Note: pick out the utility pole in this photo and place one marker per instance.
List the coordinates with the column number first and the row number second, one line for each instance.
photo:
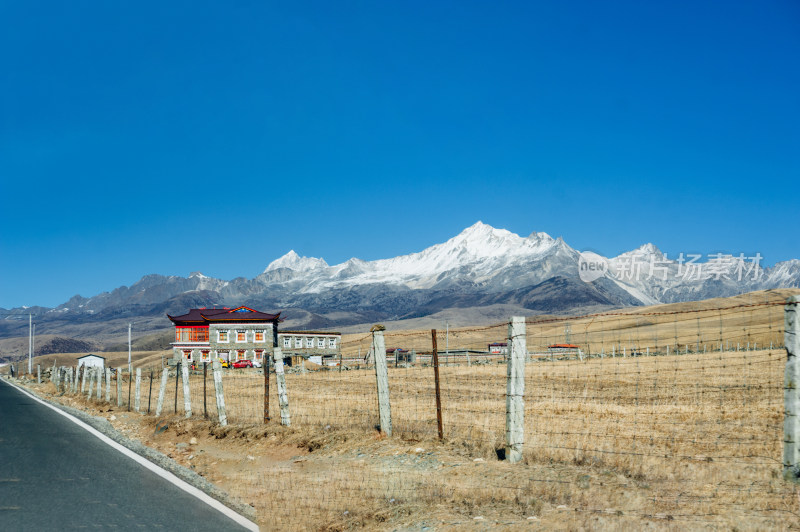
column 30, row 342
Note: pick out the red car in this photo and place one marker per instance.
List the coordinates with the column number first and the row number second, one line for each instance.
column 243, row 364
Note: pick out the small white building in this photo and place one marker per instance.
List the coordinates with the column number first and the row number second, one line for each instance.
column 92, row 361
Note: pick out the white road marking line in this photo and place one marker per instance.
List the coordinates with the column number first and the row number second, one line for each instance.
column 163, row 473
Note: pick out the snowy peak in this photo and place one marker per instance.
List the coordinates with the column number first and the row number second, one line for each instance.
column 643, row 252
column 482, row 240
column 293, row 261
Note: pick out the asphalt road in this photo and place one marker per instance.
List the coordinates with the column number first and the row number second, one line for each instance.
column 54, row 475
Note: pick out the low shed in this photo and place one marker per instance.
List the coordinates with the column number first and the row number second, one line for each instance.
column 92, row 361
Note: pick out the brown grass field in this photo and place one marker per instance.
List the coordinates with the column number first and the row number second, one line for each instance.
column 688, row 440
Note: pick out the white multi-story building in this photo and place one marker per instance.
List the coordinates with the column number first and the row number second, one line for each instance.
column 204, row 335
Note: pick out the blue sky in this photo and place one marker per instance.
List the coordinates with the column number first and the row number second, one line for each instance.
column 139, row 137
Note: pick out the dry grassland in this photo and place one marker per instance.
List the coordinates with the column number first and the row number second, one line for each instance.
column 692, row 440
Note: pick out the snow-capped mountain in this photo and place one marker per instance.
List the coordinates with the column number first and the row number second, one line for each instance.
column 479, row 254
column 480, row 266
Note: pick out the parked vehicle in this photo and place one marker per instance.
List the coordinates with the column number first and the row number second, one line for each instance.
column 224, row 363
column 243, row 364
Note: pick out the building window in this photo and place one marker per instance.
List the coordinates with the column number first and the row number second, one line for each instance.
column 191, row 334
column 332, row 342
column 241, row 336
column 309, row 342
column 187, row 355
column 224, row 355
column 223, row 337
column 287, row 342
column 298, row 342
column 320, row 342
column 205, row 355
column 241, row 354
column 259, row 354
column 259, row 336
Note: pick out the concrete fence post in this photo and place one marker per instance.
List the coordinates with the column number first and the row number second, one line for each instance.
column 515, row 389
column 108, row 385
column 280, row 378
column 219, row 392
column 162, row 390
column 53, row 372
column 382, row 379
column 82, row 369
column 91, row 384
column 99, row 384
column 119, row 386
column 137, row 399
column 38, row 373
column 187, row 397
column 791, row 391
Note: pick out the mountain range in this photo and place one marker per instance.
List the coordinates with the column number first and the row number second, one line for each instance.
column 483, row 273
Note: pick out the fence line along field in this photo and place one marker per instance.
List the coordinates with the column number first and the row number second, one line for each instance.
column 671, row 415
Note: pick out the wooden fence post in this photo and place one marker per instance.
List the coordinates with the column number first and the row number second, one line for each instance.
column 138, row 389
column 219, row 392
column 187, row 397
column 436, row 384
column 150, row 392
column 162, row 390
column 791, row 391
column 382, row 379
column 280, row 378
column 515, row 389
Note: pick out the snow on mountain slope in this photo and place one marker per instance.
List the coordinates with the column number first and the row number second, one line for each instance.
column 479, row 252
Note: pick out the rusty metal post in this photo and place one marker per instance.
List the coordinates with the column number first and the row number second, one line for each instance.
column 436, row 380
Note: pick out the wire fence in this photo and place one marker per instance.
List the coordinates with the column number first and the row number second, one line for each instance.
column 673, row 415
